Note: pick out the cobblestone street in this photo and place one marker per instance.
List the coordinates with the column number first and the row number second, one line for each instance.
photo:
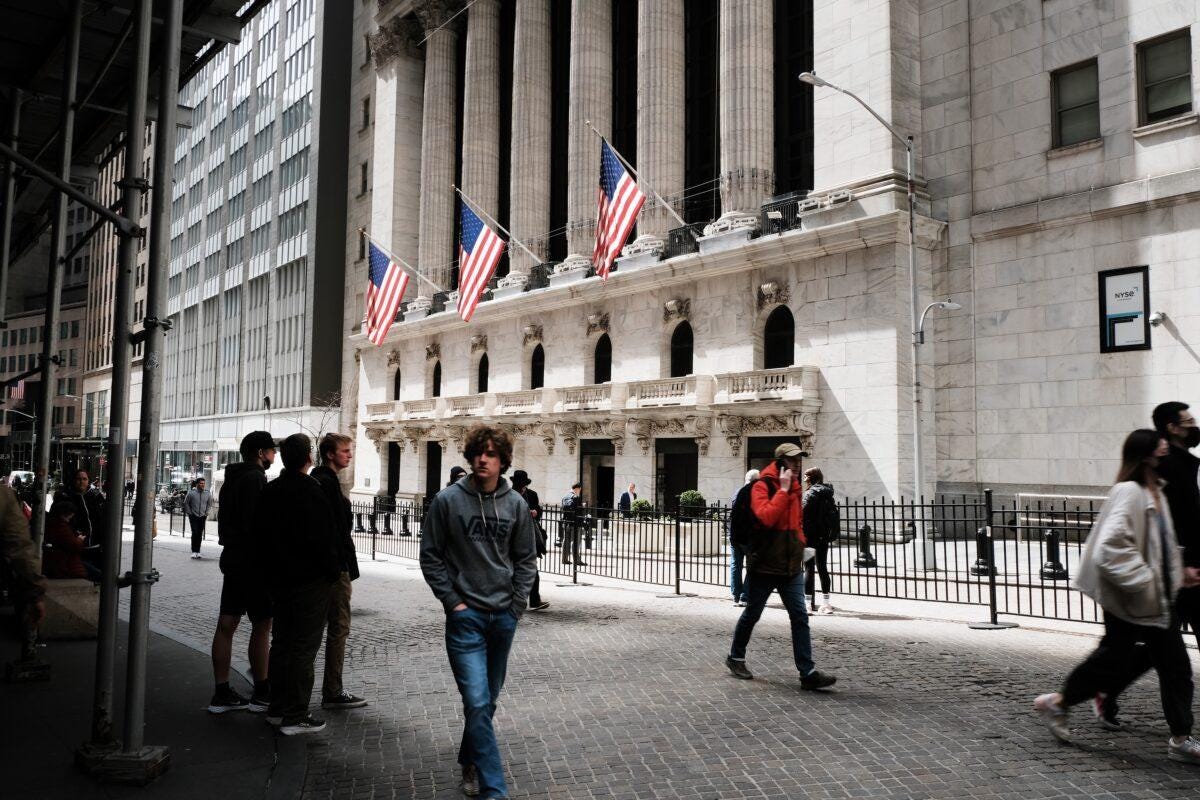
column 619, row 693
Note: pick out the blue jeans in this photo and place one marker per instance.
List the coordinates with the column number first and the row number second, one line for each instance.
column 477, row 643
column 791, row 591
column 737, row 558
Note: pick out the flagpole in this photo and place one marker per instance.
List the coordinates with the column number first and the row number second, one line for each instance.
column 475, row 207
column 407, row 267
column 638, row 178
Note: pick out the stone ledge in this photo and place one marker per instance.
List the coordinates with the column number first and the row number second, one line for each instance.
column 72, row 609
column 1065, row 151
column 1167, row 125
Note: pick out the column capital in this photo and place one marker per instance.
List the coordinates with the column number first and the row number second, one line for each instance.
column 397, row 36
column 435, row 13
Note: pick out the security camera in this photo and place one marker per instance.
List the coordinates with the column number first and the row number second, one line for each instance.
column 1157, row 318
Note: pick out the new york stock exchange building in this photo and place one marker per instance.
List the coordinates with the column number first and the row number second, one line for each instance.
column 766, row 292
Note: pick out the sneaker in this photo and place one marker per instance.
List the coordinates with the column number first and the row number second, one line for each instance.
column 817, row 680
column 825, row 609
column 542, row 606
column 195, row 556
column 226, row 699
column 344, row 700
column 738, row 668
column 1054, row 716
column 273, row 721
column 1106, row 713
column 259, row 703
column 309, row 724
column 739, row 603
column 1187, row 751
column 470, row 781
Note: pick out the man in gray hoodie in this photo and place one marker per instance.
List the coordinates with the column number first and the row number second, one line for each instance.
column 479, row 555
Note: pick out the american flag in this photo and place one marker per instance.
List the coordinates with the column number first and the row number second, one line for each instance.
column 385, row 290
column 17, row 392
column 477, row 257
column 620, row 202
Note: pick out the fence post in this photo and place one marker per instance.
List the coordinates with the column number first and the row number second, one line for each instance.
column 371, row 523
column 1052, row 569
column 983, row 557
column 387, row 523
column 678, row 547
column 404, row 531
column 865, row 558
column 372, row 542
column 992, row 623
column 358, row 524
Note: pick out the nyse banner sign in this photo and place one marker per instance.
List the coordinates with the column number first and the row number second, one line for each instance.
column 1125, row 309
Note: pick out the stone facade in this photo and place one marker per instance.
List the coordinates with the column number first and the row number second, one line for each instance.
column 1018, row 396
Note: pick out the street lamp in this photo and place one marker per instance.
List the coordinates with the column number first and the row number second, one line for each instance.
column 812, row 79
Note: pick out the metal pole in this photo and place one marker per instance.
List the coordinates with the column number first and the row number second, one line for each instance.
column 144, row 574
column 10, row 189
column 55, row 273
column 926, row 548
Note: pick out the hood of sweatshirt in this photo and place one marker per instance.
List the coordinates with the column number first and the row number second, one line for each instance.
column 467, row 484
column 237, row 470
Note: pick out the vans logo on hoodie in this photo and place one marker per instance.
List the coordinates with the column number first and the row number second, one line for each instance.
column 481, row 530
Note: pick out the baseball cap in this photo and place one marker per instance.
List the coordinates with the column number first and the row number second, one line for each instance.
column 788, row 450
column 257, row 440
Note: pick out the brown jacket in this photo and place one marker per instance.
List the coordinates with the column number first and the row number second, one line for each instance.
column 16, row 547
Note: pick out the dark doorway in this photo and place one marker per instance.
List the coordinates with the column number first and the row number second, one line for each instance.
column 393, row 469
column 760, row 450
column 597, row 471
column 433, row 469
column 537, row 368
column 677, row 464
column 482, row 374
column 435, row 382
column 681, row 350
column 396, row 386
column 779, row 337
column 603, row 361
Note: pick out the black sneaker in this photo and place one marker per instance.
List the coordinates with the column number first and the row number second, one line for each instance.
column 259, row 703
column 817, row 680
column 343, row 700
column 469, row 784
column 1106, row 713
column 309, row 724
column 226, row 699
column 539, row 606
column 738, row 668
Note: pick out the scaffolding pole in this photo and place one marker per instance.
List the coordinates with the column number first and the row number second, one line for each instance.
column 10, row 191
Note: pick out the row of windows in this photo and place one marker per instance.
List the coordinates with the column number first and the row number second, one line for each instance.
column 1164, row 89
column 295, row 115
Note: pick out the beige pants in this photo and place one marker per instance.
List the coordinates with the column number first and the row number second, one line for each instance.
column 336, row 634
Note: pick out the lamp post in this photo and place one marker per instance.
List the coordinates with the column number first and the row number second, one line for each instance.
column 927, row 548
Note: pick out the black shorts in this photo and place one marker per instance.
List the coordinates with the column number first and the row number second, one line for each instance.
column 244, row 595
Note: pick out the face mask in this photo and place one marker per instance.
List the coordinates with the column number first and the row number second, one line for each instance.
column 1191, row 438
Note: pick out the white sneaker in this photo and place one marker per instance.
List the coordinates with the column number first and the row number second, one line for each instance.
column 1187, row 751
column 1054, row 716
column 195, row 556
column 825, row 609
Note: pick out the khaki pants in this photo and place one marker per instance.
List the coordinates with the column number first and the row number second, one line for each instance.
column 336, row 634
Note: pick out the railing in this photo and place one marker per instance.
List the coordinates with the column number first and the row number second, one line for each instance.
column 670, row 392
column 528, row 402
column 783, row 213
column 682, row 240
column 587, row 398
column 381, row 410
column 781, row 384
column 467, row 405
column 420, row 409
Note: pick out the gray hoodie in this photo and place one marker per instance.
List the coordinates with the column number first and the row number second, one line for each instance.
column 479, row 549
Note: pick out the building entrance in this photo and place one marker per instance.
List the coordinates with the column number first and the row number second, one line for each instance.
column 433, row 469
column 677, row 463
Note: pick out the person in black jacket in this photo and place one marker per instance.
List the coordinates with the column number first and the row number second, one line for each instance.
column 336, row 451
column 520, row 483
column 303, row 561
column 242, row 591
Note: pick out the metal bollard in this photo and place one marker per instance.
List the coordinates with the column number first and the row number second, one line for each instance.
column 865, row 557
column 404, row 530
column 1052, row 569
column 983, row 563
column 358, row 525
column 387, row 523
column 371, row 523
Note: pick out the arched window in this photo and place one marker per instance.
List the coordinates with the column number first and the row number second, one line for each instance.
column 396, row 385
column 435, row 383
column 681, row 350
column 603, row 366
column 537, row 368
column 779, row 336
column 481, row 382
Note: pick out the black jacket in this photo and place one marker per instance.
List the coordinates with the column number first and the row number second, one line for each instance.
column 816, row 504
column 1179, row 468
column 343, row 516
column 82, row 521
column 244, row 484
column 298, row 530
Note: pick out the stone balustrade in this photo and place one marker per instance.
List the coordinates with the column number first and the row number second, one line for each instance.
column 787, row 383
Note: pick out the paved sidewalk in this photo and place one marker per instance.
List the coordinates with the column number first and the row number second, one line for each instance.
column 618, row 693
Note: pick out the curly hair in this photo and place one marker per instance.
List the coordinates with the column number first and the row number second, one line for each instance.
column 478, row 439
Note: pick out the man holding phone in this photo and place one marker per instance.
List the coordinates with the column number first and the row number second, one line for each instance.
column 776, row 563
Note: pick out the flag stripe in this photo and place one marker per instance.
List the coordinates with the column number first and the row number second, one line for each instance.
column 619, row 202
column 479, row 253
column 386, row 284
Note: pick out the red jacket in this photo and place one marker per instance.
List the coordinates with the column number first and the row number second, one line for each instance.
column 777, row 545
column 62, row 559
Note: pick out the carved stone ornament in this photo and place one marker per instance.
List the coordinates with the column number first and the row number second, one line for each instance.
column 478, row 342
column 699, row 427
column 433, row 350
column 393, row 357
column 434, row 14
column 597, row 322
column 735, row 427
column 547, row 433
column 397, row 36
column 772, row 293
column 677, row 308
column 531, row 334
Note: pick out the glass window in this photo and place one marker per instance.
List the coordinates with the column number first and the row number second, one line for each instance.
column 603, row 360
column 435, row 388
column 537, row 368
column 779, row 339
column 1076, row 92
column 681, row 350
column 482, row 374
column 1165, row 77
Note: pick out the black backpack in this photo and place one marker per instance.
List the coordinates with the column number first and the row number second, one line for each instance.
column 832, row 519
column 742, row 521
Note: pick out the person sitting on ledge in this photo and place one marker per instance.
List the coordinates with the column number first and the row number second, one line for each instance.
column 64, row 556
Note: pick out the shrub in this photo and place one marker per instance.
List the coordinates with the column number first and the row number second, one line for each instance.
column 692, row 499
column 641, row 508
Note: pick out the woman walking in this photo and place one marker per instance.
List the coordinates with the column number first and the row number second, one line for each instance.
column 1131, row 567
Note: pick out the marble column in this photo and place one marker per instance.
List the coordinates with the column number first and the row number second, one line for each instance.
column 395, row 162
column 591, row 81
column 747, row 52
column 660, row 133
column 437, row 148
column 481, row 106
column 529, row 187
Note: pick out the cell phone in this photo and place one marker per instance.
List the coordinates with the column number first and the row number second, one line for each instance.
column 781, row 464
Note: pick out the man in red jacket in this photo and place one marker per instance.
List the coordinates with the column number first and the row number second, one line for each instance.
column 776, row 563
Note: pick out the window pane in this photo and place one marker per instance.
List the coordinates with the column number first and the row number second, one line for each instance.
column 1168, row 59
column 1169, row 98
column 1079, row 125
column 1077, row 87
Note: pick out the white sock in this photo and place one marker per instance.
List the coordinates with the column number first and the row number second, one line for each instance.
column 825, row 598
